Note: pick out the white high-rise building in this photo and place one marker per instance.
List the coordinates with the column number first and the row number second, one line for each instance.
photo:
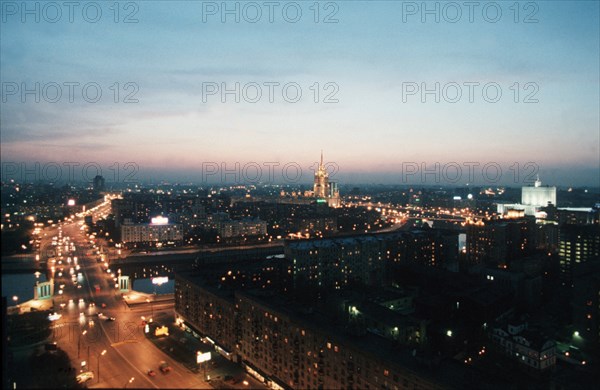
column 532, row 199
column 537, row 195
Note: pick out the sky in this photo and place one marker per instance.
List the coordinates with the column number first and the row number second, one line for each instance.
column 517, row 90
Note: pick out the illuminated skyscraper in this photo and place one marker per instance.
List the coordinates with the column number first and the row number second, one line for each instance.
column 323, row 189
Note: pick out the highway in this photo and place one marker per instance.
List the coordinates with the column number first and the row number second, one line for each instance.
column 85, row 336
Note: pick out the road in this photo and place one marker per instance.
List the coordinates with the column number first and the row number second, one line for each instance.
column 84, row 335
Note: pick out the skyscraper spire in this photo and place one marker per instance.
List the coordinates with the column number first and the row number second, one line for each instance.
column 321, row 158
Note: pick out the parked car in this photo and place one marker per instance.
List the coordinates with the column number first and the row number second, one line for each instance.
column 151, row 373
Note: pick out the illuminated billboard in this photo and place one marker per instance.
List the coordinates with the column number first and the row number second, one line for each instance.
column 160, row 220
column 160, row 280
column 161, row 331
column 202, row 357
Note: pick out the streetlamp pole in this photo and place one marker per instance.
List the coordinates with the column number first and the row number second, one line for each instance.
column 79, row 343
column 128, row 382
column 98, row 363
column 151, row 307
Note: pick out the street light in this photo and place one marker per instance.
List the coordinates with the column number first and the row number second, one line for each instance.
column 128, row 382
column 202, row 359
column 98, row 363
column 151, row 307
column 79, row 342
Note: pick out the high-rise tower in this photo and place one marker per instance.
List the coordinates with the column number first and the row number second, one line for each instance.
column 321, row 180
column 324, row 189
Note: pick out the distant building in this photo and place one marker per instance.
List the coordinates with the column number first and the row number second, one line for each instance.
column 538, row 195
column 157, row 233
column 244, row 227
column 99, row 183
column 334, row 263
column 324, row 190
column 577, row 215
column 339, row 262
column 533, row 199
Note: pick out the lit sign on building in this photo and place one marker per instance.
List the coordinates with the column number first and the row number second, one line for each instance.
column 71, row 202
column 202, row 357
column 160, row 220
column 161, row 331
column 160, row 280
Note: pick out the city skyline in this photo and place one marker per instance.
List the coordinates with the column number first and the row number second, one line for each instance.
column 308, row 194
column 373, row 123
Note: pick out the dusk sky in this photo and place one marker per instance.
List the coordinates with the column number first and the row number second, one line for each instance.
column 370, row 55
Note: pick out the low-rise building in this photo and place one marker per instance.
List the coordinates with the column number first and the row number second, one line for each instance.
column 529, row 348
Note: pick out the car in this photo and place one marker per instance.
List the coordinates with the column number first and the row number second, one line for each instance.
column 164, row 367
column 151, row 373
column 111, row 319
column 84, row 377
